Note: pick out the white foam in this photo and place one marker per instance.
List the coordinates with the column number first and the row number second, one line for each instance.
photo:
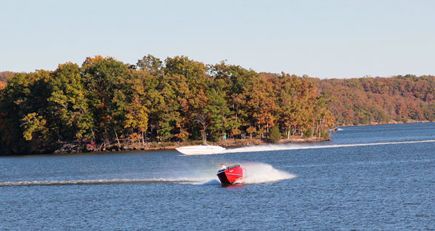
column 280, row 147
column 257, row 173
column 254, row 173
column 200, row 149
column 95, row 182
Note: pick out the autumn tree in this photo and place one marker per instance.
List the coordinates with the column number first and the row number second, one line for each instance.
column 70, row 117
column 105, row 80
column 23, row 114
column 275, row 134
column 191, row 92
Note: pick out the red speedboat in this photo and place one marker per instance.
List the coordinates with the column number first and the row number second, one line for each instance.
column 230, row 175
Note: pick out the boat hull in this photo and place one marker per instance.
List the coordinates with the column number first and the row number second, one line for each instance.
column 230, row 175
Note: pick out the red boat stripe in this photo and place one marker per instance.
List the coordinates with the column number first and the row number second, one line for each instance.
column 232, row 174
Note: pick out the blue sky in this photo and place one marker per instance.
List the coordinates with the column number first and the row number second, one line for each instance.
column 324, row 38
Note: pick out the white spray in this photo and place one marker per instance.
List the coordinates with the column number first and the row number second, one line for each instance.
column 256, row 173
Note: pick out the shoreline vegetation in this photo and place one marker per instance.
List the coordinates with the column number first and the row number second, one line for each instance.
column 161, row 146
column 230, row 143
column 108, row 105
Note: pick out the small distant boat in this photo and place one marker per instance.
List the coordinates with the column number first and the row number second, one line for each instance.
column 201, row 149
column 230, row 175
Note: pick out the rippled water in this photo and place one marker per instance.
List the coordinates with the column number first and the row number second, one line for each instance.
column 373, row 177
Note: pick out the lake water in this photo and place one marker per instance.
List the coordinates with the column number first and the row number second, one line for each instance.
column 369, row 177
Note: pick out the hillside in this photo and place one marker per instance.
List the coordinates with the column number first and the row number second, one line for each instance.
column 380, row 100
column 4, row 76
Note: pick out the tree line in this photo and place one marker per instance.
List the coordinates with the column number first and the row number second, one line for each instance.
column 105, row 101
column 380, row 100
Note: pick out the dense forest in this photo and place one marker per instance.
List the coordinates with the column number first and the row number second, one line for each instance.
column 4, row 76
column 105, row 102
column 380, row 100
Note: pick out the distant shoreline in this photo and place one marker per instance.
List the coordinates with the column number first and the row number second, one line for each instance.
column 165, row 146
column 229, row 143
column 387, row 123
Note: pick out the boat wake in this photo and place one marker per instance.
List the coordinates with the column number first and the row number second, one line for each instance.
column 280, row 147
column 258, row 173
column 213, row 150
column 255, row 173
column 97, row 182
